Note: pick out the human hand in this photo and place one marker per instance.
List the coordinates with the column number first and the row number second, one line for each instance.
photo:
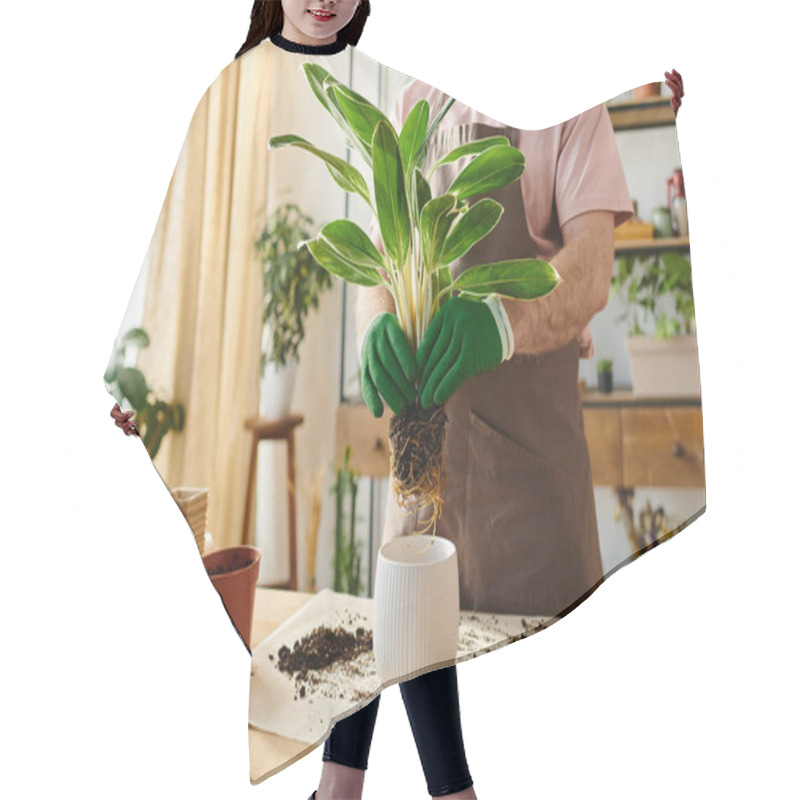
column 387, row 366
column 585, row 343
column 462, row 340
column 124, row 420
column 675, row 83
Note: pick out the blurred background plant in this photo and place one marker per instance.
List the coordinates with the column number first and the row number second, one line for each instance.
column 657, row 288
column 347, row 556
column 292, row 282
column 154, row 418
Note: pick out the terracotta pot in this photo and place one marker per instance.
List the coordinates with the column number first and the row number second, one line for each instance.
column 648, row 90
column 234, row 572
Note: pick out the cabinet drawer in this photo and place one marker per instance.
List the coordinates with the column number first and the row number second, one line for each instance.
column 602, row 429
column 662, row 447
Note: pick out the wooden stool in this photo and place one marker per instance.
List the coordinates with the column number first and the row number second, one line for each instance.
column 274, row 430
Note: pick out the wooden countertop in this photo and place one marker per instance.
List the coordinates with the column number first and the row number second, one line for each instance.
column 624, row 396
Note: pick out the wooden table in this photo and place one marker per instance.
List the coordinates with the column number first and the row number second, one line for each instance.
column 268, row 751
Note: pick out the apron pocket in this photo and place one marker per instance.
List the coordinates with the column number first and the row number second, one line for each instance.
column 520, row 527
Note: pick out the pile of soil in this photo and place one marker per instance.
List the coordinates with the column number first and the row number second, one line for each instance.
column 326, row 648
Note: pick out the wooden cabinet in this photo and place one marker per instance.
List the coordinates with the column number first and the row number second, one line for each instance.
column 644, row 442
column 604, row 437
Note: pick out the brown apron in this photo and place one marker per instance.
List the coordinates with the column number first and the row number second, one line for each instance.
column 519, row 500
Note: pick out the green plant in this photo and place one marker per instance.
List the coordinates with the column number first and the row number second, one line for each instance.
column 422, row 235
column 347, row 556
column 292, row 281
column 155, row 418
column 604, row 365
column 647, row 286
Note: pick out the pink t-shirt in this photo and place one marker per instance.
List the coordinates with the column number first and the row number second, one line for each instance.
column 570, row 168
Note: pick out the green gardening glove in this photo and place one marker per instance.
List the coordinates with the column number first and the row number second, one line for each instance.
column 464, row 339
column 387, row 366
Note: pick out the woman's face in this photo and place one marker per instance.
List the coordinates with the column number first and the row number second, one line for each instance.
column 316, row 21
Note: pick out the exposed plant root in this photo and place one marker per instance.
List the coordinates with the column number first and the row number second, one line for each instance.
column 416, row 456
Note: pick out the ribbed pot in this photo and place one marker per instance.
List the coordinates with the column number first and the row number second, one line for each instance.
column 416, row 609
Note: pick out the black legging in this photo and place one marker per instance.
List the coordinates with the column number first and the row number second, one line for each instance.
column 432, row 706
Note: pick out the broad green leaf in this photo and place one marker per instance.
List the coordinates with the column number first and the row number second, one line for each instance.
column 435, row 221
column 496, row 167
column 390, row 193
column 332, row 260
column 471, row 228
column 413, row 132
column 470, row 149
column 346, row 175
column 352, row 244
column 434, row 125
column 520, row 278
column 133, row 386
column 319, row 78
column 361, row 115
column 423, row 188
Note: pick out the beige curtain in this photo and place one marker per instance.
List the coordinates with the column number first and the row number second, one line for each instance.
column 203, row 301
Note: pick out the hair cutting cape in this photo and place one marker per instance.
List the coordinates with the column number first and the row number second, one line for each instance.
column 240, row 353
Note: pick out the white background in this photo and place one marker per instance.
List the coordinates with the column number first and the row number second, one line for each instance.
column 121, row 677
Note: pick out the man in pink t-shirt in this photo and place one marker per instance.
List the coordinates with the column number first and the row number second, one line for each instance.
column 519, row 502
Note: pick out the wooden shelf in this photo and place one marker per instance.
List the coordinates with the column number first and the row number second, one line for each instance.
column 624, row 396
column 651, row 245
column 649, row 112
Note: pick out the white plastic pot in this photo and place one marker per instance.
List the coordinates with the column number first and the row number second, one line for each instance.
column 277, row 388
column 416, row 606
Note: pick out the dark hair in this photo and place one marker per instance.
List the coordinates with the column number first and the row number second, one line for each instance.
column 266, row 18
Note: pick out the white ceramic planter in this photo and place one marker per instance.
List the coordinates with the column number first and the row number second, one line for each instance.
column 277, row 388
column 664, row 367
column 416, row 607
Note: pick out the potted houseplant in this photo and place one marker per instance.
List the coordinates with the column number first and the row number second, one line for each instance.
column 658, row 295
column 605, row 379
column 292, row 282
column 422, row 235
column 155, row 418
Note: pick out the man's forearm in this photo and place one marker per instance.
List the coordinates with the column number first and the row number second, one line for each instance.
column 550, row 322
column 369, row 301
